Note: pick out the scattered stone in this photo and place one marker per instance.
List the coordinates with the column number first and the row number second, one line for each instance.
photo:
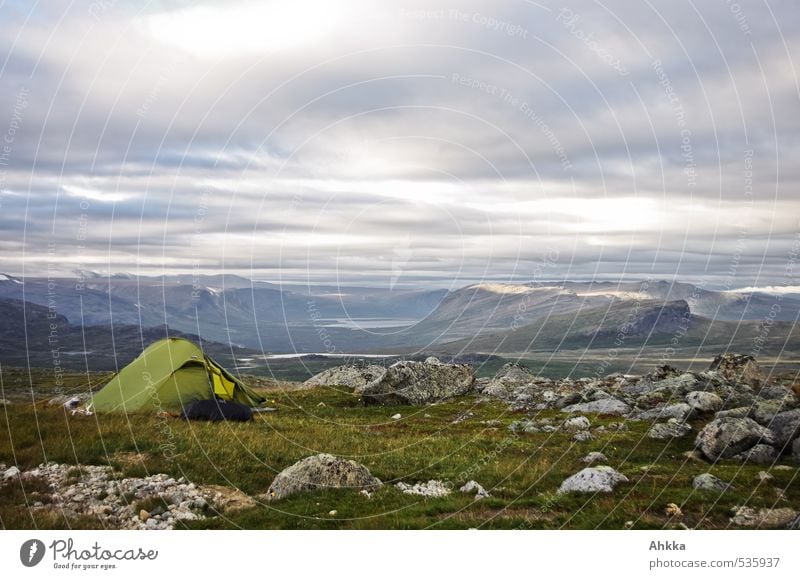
column 738, row 368
column 321, row 471
column 474, row 487
column 596, row 479
column 582, row 436
column 780, row 518
column 431, row 489
column 708, row 482
column 680, row 411
column 416, row 383
column 144, row 515
column 628, row 524
column 333, row 513
column 5, row 402
column 786, row 426
column 493, row 423
column 226, row 499
column 764, row 411
column 594, row 457
column 669, row 430
column 11, row 473
column 726, row 437
column 397, row 416
column 704, row 401
column 576, row 423
column 740, row 412
column 462, row 417
column 432, row 360
column 759, row 454
column 607, row 406
column 348, row 375
column 673, row 510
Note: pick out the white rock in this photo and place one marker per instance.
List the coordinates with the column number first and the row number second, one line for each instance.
column 397, row 416
column 576, row 423
column 597, row 479
column 11, row 473
column 432, row 488
column 474, row 487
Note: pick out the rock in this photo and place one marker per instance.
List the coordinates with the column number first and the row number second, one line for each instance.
column 10, row 473
column 348, row 375
column 567, row 399
column 764, row 411
column 322, row 471
column 607, row 406
column 673, row 510
column 596, row 479
column 397, row 416
column 678, row 385
column 582, row 436
column 738, row 368
column 680, row 411
column 474, row 487
column 5, row 402
column 226, row 499
column 759, row 454
column 708, row 482
column 669, row 430
column 786, row 426
column 780, row 518
column 725, row 437
column 741, row 412
column 576, row 423
column 796, row 450
column 144, row 516
column 704, row 401
column 778, row 393
column 594, row 457
column 432, row 360
column 333, row 513
column 432, row 489
column 416, row 383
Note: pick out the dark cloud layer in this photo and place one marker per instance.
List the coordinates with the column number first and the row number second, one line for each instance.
column 365, row 141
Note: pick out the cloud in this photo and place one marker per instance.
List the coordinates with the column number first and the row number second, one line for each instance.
column 314, row 141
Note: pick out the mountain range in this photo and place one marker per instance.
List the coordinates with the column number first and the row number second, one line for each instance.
column 236, row 316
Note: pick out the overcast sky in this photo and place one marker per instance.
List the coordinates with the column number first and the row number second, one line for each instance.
column 402, row 143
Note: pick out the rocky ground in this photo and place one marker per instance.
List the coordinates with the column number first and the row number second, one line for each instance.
column 730, row 414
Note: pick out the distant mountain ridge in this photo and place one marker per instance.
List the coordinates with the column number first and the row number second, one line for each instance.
column 268, row 317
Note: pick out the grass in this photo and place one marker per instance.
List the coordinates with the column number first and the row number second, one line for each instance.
column 522, row 472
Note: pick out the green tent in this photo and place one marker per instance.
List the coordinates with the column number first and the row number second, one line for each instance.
column 168, row 375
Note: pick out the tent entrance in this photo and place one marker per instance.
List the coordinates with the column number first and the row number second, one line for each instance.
column 223, row 388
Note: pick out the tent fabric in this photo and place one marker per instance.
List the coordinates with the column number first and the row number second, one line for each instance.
column 170, row 374
column 215, row 410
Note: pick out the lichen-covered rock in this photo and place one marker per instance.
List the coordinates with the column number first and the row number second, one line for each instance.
column 796, row 451
column 417, row 383
column 738, row 368
column 708, row 482
column 595, row 479
column 576, row 423
column 764, row 411
column 781, row 518
column 319, row 472
column 786, row 427
column 347, row 375
column 594, row 457
column 725, row 437
column 668, row 430
column 473, row 487
column 759, row 454
column 608, row 406
column 430, row 489
column 704, row 401
column 680, row 411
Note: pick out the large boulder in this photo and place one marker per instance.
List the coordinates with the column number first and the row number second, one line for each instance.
column 609, row 406
column 347, row 375
column 594, row 479
column 417, row 383
column 707, row 402
column 786, row 426
column 673, row 428
column 507, row 378
column 726, row 437
column 738, row 368
column 759, row 454
column 780, row 518
column 319, row 472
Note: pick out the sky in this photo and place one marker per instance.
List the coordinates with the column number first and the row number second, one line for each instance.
column 402, row 143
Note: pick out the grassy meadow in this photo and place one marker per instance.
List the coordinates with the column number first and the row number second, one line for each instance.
column 521, row 471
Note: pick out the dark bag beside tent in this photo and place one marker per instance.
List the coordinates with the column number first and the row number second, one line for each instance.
column 215, row 410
